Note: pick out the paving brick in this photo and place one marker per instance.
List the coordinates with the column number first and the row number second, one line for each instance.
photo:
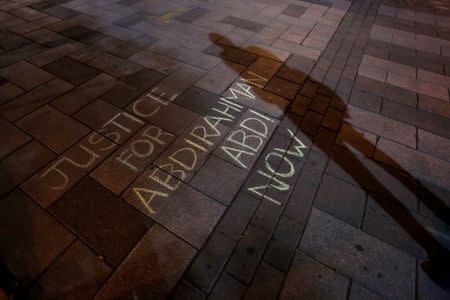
column 225, row 186
column 52, row 54
column 23, row 163
column 131, row 159
column 61, row 12
column 404, row 229
column 185, row 290
column 46, row 186
column 387, row 91
column 309, row 279
column 114, row 65
column 132, row 87
column 108, row 224
column 433, row 144
column 58, row 132
column 192, row 15
column 12, row 138
column 375, row 264
column 155, row 61
column 358, row 291
column 282, row 87
column 78, row 267
column 83, row 34
column 435, row 106
column 366, row 101
column 266, row 284
column 109, row 120
column 421, row 119
column 341, row 200
column 176, row 206
column 19, row 54
column 198, row 100
column 281, row 248
column 247, row 254
column 238, row 215
column 242, row 23
column 419, row 165
column 227, row 288
column 163, row 113
column 126, row 49
column 358, row 139
column 160, row 251
column 37, row 230
column 84, row 93
column 427, row 288
column 25, row 75
column 28, row 102
column 71, row 70
column 231, row 54
column 383, row 126
column 209, row 263
column 295, row 11
column 9, row 91
column 11, row 41
column 220, row 77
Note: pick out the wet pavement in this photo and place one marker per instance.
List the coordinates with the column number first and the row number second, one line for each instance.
column 254, row 149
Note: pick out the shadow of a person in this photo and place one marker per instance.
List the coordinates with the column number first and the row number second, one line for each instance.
column 438, row 265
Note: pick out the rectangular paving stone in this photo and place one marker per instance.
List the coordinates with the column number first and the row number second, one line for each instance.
column 186, row 290
column 341, row 200
column 227, row 288
column 209, row 263
column 71, row 70
column 11, row 41
column 176, row 206
column 114, row 65
column 220, row 77
column 432, row 144
column 375, row 264
column 247, row 254
column 78, row 272
column 162, row 113
column 358, row 291
column 20, row 53
column 108, row 224
column 310, row 279
column 381, row 221
column 22, row 163
column 37, row 230
column 12, row 138
column 198, row 100
column 25, row 75
column 51, row 54
column 109, row 120
column 221, row 186
column 238, row 215
column 192, row 14
column 231, row 54
column 46, row 186
column 383, row 126
column 156, row 61
column 284, row 241
column 161, row 252
column 295, row 11
column 126, row 49
column 418, row 118
column 242, row 23
column 125, row 165
column 132, row 87
column 84, row 93
column 58, row 131
column 178, row 82
column 419, row 165
column 9, row 91
column 28, row 102
column 266, row 283
column 83, row 34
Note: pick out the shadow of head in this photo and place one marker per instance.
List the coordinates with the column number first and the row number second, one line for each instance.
column 351, row 150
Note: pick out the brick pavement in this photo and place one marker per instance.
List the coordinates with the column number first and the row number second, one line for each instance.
column 225, row 149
